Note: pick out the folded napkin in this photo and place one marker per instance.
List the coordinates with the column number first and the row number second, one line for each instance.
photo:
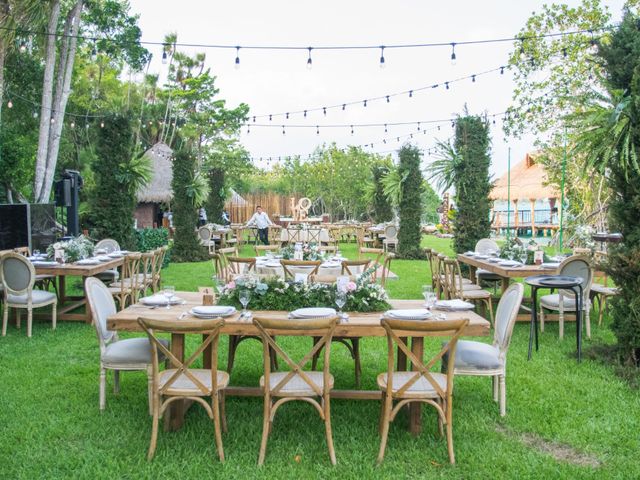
column 213, row 310
column 312, row 313
column 408, row 314
column 453, row 305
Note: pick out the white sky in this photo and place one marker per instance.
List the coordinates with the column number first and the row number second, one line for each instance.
column 272, row 82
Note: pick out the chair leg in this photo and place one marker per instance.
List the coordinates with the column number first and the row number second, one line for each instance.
column 561, row 323
column 314, row 360
column 5, row 319
column 503, row 395
column 587, row 308
column 18, row 318
column 602, row 304
column 494, row 382
column 266, row 427
column 440, row 424
column 490, row 306
column 54, row 316
column 223, row 411
column 103, row 388
column 541, row 319
column 327, row 426
column 233, row 344
column 355, row 342
column 116, row 381
column 452, row 457
column 150, row 388
column 29, row 321
column 215, row 404
column 385, row 428
column 154, row 426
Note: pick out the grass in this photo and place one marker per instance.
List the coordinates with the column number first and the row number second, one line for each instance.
column 564, row 420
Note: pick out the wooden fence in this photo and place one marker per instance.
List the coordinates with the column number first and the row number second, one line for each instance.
column 273, row 203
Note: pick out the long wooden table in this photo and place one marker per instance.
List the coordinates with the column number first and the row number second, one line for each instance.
column 358, row 325
column 68, row 304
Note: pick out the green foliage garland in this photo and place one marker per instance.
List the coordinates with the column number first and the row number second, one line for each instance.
column 113, row 199
column 471, row 180
column 151, row 238
column 186, row 247
column 410, row 207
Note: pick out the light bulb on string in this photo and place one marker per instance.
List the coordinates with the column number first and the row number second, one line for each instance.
column 283, row 132
column 309, row 61
column 305, row 114
column 270, row 117
column 387, row 98
column 410, row 93
column 237, row 62
column 351, row 129
column 101, row 124
column 344, row 105
column 473, row 78
column 365, row 103
column 501, row 70
column 164, row 57
column 446, row 84
column 287, row 116
column 454, row 60
column 23, row 47
column 382, row 64
column 418, row 126
column 9, row 104
column 593, row 46
column 324, row 111
column 317, row 130
column 248, row 130
column 53, row 120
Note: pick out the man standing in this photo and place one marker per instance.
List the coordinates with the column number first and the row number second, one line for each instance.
column 261, row 220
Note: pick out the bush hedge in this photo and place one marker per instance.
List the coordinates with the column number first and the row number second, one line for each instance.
column 410, row 209
column 152, row 238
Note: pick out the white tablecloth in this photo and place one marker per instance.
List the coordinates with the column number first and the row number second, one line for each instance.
column 268, row 268
column 299, row 235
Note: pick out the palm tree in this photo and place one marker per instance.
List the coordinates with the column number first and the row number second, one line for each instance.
column 444, row 168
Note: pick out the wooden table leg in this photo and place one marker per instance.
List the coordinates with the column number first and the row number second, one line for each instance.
column 206, row 353
column 62, row 294
column 401, row 362
column 505, row 284
column 415, row 420
column 472, row 273
column 175, row 417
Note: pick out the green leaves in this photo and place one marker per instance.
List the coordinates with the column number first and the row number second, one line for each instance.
column 135, row 173
column 197, row 189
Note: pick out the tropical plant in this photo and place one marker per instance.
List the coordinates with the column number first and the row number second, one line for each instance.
column 217, row 194
column 410, row 206
column 382, row 207
column 444, row 168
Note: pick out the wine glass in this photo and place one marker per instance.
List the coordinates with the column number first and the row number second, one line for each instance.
column 523, row 258
column 169, row 292
column 244, row 296
column 341, row 300
column 427, row 291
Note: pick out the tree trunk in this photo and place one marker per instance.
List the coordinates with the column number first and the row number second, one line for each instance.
column 63, row 90
column 4, row 12
column 47, row 99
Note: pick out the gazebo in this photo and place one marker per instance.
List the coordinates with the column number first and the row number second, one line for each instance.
column 527, row 181
column 158, row 191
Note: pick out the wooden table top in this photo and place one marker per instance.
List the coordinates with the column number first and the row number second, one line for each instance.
column 358, row 325
column 78, row 270
column 511, row 272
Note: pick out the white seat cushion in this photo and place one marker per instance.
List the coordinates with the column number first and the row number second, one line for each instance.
column 552, row 302
column 421, row 388
column 477, row 355
column 296, row 386
column 602, row 290
column 37, row 296
column 130, row 350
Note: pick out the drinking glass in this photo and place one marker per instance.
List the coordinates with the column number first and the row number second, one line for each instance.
column 427, row 291
column 169, row 292
column 523, row 258
column 244, row 296
column 36, row 253
column 341, row 300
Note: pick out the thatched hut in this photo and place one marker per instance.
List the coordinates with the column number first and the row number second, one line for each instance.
column 533, row 200
column 155, row 197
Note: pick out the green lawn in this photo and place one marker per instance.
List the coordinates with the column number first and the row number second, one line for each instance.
column 564, row 420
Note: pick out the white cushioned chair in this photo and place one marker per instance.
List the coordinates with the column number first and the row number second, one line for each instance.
column 115, row 354
column 18, row 276
column 482, row 359
column 564, row 300
column 486, row 246
column 109, row 245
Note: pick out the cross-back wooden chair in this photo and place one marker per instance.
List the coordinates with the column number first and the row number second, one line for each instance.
column 386, row 268
column 181, row 382
column 221, row 262
column 328, row 248
column 355, row 267
column 296, row 384
column 127, row 287
column 377, row 252
column 421, row 384
column 148, row 262
column 241, row 266
column 294, row 235
column 601, row 291
column 289, row 267
column 314, row 235
column 156, row 279
column 261, row 249
column 364, row 240
column 334, row 235
column 431, row 253
column 466, row 291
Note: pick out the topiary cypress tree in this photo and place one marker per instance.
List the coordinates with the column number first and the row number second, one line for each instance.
column 215, row 201
column 186, row 247
column 471, row 180
column 113, row 201
column 410, row 208
column 382, row 210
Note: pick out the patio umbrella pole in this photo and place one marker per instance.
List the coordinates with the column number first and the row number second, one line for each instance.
column 564, row 168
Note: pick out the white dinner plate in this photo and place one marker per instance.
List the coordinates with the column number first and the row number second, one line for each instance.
column 453, row 305
column 272, row 264
column 313, row 313
column 44, row 263
column 160, row 299
column 212, row 311
column 88, row 261
column 550, row 265
column 104, row 258
column 115, row 255
column 331, row 265
column 482, row 257
column 470, row 254
column 509, row 263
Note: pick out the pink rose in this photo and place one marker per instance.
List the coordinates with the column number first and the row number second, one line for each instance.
column 351, row 286
column 231, row 285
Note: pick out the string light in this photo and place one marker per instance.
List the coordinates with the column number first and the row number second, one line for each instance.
column 101, row 124
column 385, row 128
column 237, row 62
column 317, row 130
column 382, row 64
column 324, row 111
column 164, row 57
column 53, row 120
column 453, row 54
column 309, row 61
column 72, row 125
column 9, row 104
column 287, row 116
column 473, row 78
column 365, row 103
column 344, row 105
column 387, row 98
column 351, row 129
column 446, row 84
column 283, row 132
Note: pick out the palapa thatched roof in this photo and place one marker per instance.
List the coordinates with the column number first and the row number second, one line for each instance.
column 528, row 182
column 158, row 190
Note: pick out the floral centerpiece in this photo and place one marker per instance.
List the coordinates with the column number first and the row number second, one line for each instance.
column 310, row 251
column 513, row 250
column 273, row 293
column 72, row 250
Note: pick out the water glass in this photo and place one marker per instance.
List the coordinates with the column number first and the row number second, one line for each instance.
column 169, row 292
column 341, row 300
column 523, row 258
column 244, row 296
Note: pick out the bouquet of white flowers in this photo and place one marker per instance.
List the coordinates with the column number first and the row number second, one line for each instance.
column 72, row 250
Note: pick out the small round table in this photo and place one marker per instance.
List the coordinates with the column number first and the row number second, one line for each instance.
column 561, row 282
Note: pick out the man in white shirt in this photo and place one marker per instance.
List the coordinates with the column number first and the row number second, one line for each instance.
column 261, row 220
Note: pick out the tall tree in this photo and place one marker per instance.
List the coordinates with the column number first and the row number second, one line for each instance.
column 217, row 195
column 410, row 207
column 471, row 144
column 382, row 209
column 608, row 135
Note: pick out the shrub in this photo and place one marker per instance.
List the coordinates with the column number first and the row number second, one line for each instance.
column 410, row 207
column 152, row 238
column 382, row 209
column 215, row 201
